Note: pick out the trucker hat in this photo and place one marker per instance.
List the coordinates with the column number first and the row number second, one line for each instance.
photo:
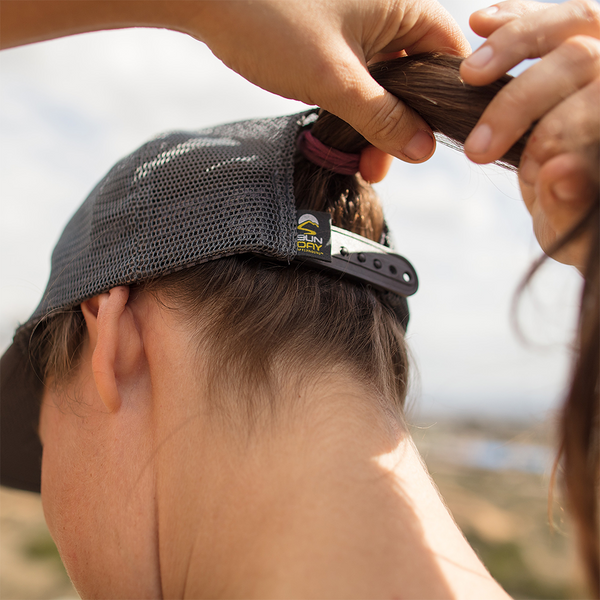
column 182, row 199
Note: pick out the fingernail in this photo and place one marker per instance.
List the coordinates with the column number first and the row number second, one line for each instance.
column 479, row 140
column 421, row 146
column 565, row 190
column 480, row 58
column 529, row 170
column 492, row 10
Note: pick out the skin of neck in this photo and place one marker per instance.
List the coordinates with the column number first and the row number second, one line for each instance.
column 329, row 499
column 160, row 497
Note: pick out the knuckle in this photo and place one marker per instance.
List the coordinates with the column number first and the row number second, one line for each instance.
column 575, row 128
column 385, row 121
column 515, row 97
column 582, row 49
column 588, row 11
column 546, row 140
column 512, row 108
column 524, row 41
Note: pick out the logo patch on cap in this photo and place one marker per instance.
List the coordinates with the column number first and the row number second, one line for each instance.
column 313, row 238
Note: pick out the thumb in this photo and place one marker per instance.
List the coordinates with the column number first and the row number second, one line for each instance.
column 381, row 118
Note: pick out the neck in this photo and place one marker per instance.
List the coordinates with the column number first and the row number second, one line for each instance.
column 333, row 504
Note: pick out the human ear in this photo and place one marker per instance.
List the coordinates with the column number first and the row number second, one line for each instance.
column 115, row 343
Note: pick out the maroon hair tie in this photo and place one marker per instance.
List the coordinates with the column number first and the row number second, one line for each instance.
column 325, row 156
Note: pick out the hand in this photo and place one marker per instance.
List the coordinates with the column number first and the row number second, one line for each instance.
column 559, row 167
column 315, row 51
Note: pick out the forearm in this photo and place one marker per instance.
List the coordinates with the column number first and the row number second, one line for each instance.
column 27, row 21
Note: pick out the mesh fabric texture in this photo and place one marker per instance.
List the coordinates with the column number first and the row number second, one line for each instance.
column 179, row 200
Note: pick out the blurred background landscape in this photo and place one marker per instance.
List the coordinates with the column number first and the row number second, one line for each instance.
column 485, row 392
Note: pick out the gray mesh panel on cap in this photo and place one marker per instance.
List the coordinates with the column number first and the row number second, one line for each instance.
column 181, row 199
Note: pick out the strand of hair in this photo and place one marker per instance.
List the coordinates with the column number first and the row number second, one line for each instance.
column 431, row 85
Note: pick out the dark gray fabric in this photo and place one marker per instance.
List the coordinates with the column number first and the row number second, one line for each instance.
column 181, row 199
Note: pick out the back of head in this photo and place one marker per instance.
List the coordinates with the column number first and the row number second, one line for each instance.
column 163, row 215
column 264, row 323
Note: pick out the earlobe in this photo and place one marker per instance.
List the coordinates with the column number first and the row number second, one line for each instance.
column 112, row 332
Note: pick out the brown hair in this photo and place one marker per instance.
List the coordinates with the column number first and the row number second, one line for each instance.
column 580, row 422
column 579, row 426
column 366, row 334
column 264, row 323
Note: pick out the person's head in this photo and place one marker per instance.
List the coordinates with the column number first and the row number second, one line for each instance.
column 178, row 311
column 256, row 216
column 260, row 322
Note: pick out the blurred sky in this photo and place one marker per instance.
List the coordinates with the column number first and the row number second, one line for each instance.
column 70, row 108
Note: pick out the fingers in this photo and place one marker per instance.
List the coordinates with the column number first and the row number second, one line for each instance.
column 565, row 188
column 550, row 82
column 532, row 36
column 374, row 164
column 484, row 22
column 432, row 29
column 379, row 116
column 386, row 122
column 573, row 126
column 391, row 126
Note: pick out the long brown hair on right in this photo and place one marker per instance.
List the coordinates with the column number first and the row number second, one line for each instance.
column 579, row 427
column 431, row 85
